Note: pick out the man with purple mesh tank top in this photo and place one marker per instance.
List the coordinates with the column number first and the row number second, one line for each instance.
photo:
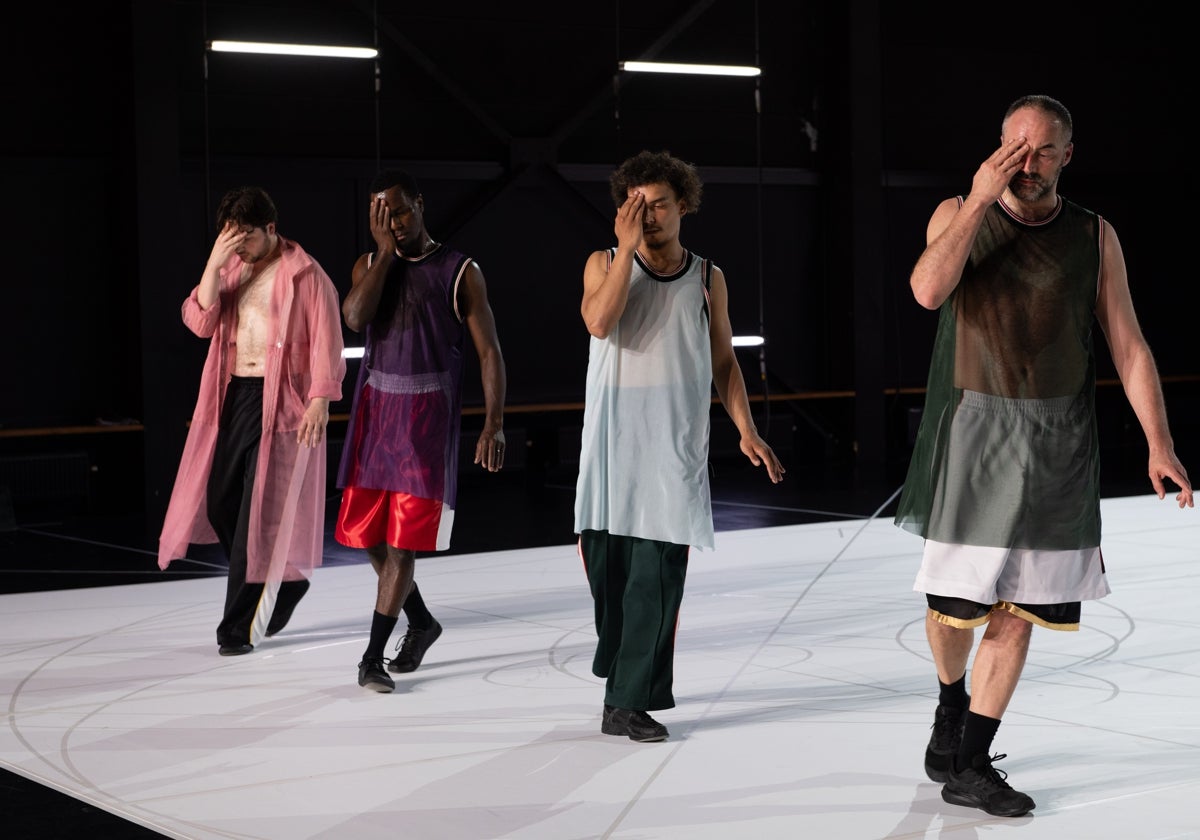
column 1004, row 479
column 417, row 301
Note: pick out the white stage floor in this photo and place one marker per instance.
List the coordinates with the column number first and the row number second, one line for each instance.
column 804, row 687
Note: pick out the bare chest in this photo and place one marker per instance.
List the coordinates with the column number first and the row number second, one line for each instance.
column 254, row 322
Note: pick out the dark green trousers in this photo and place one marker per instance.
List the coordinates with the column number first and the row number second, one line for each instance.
column 637, row 587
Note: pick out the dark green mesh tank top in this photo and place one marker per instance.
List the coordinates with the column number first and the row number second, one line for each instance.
column 1019, row 325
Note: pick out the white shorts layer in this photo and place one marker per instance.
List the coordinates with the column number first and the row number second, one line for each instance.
column 1020, row 575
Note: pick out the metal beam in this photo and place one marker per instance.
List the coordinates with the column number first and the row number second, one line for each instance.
column 427, row 64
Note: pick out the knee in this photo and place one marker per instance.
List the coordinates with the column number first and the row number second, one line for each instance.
column 1008, row 628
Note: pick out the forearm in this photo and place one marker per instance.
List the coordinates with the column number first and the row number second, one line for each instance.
column 731, row 389
column 1143, row 389
column 208, row 292
column 940, row 267
column 495, row 385
column 362, row 302
column 605, row 301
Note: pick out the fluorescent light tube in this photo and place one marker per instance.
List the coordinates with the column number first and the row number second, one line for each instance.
column 700, row 69
column 263, row 48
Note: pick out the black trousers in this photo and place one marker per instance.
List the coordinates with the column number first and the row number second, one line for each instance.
column 230, row 489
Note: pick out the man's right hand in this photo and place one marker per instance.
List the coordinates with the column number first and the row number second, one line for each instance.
column 381, row 224
column 995, row 173
column 628, row 226
column 226, row 245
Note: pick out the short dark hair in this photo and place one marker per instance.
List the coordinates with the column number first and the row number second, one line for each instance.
column 1048, row 104
column 657, row 168
column 389, row 178
column 247, row 207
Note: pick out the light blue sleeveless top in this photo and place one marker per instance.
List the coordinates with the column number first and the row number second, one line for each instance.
column 643, row 467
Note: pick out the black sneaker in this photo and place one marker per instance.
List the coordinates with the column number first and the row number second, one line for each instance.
column 943, row 743
column 983, row 786
column 372, row 675
column 413, row 646
column 235, row 649
column 638, row 726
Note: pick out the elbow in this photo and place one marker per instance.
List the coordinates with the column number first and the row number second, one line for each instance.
column 205, row 301
column 927, row 297
column 597, row 327
column 353, row 321
column 599, row 330
column 927, row 301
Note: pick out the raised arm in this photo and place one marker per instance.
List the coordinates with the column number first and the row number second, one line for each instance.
column 481, row 323
column 605, row 284
column 1135, row 366
column 201, row 310
column 951, row 230
column 366, row 280
column 226, row 244
column 731, row 385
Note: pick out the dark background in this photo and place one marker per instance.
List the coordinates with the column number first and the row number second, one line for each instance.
column 122, row 132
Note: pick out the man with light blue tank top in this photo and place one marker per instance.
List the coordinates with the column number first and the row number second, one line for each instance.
column 1004, row 478
column 661, row 339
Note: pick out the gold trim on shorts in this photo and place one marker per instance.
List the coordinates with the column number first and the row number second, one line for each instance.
column 1008, row 606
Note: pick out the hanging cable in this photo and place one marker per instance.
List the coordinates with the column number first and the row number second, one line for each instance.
column 378, row 142
column 207, row 150
column 616, row 80
column 758, row 159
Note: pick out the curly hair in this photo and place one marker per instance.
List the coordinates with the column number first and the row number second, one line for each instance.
column 657, row 168
column 247, row 207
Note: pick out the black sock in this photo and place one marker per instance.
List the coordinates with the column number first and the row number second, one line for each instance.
column 953, row 694
column 978, row 733
column 381, row 630
column 418, row 615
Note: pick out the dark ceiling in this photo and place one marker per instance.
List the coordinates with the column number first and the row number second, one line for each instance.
column 871, row 112
column 467, row 80
column 460, row 80
column 494, row 81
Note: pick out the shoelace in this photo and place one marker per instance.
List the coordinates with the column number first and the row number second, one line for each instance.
column 410, row 637
column 946, row 726
column 993, row 775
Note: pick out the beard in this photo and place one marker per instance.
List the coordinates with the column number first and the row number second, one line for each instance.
column 251, row 257
column 256, row 251
column 1032, row 188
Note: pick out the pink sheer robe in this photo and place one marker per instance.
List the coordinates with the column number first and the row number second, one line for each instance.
column 287, row 512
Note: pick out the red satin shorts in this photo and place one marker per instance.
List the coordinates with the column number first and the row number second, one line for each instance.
column 369, row 517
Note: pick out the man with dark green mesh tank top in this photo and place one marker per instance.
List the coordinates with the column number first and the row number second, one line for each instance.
column 1004, row 479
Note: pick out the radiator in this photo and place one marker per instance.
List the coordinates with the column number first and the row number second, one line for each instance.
column 46, row 477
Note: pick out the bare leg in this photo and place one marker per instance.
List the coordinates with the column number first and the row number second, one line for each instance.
column 396, row 568
column 972, row 780
column 998, row 663
column 951, row 647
